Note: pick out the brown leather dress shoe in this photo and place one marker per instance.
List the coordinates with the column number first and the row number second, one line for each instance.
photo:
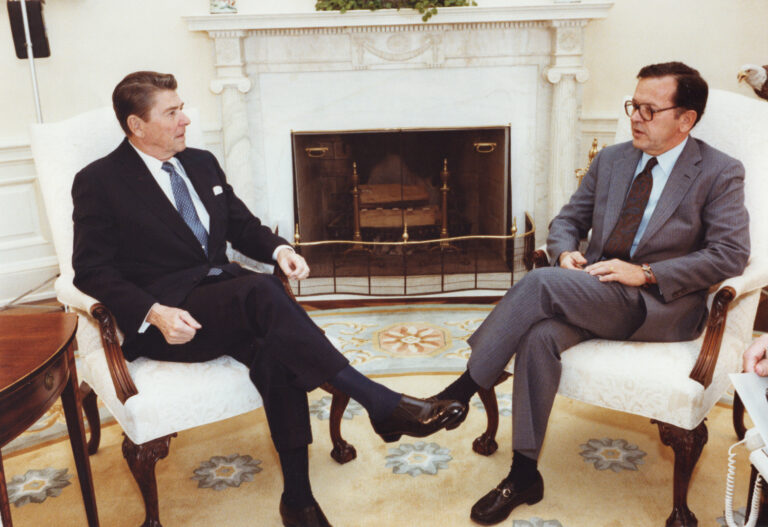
column 419, row 418
column 495, row 506
column 311, row 516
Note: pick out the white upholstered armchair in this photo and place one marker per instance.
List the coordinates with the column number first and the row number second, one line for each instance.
column 677, row 384
column 151, row 400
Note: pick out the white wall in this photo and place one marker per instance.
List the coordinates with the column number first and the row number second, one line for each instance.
column 94, row 43
column 713, row 36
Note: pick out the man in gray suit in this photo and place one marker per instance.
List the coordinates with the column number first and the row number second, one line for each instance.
column 668, row 221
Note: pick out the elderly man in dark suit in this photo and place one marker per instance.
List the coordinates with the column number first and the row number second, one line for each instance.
column 668, row 221
column 151, row 224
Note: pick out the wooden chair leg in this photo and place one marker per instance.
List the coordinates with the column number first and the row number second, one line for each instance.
column 91, row 410
column 342, row 451
column 486, row 444
column 687, row 445
column 738, row 416
column 142, row 460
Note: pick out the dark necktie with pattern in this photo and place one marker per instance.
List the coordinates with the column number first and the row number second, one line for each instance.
column 620, row 241
column 185, row 206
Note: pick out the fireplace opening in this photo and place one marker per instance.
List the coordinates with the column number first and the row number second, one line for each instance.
column 403, row 211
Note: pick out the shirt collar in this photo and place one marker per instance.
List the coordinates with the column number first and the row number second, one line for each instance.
column 666, row 160
column 154, row 164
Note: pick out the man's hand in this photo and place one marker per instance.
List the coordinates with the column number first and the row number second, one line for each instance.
column 755, row 359
column 176, row 325
column 572, row 260
column 617, row 271
column 293, row 265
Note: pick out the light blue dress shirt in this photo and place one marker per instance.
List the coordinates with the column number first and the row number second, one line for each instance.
column 660, row 174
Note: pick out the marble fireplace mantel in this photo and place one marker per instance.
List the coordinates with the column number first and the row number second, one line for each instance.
column 517, row 65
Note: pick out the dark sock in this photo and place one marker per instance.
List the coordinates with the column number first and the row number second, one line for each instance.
column 297, row 492
column 523, row 469
column 462, row 389
column 378, row 400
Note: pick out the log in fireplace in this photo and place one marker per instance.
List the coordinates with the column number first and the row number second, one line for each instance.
column 396, row 212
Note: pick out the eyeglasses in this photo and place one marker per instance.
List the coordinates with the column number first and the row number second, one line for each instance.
column 646, row 112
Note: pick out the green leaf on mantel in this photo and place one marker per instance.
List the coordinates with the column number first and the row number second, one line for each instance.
column 427, row 8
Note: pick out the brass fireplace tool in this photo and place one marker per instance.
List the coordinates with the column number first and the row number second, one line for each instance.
column 444, row 189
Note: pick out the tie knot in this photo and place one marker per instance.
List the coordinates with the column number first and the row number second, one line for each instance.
column 168, row 167
column 652, row 162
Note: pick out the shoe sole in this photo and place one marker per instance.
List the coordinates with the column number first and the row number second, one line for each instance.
column 456, row 421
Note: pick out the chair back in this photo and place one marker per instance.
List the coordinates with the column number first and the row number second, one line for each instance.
column 61, row 150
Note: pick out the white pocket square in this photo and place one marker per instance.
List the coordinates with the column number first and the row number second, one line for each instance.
column 217, row 190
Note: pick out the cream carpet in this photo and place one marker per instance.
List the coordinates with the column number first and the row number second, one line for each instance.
column 600, row 468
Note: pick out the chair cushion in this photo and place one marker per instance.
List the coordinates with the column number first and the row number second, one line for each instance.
column 172, row 396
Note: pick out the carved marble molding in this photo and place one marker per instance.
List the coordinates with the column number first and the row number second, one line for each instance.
column 518, row 14
column 398, row 47
column 243, row 84
column 230, row 61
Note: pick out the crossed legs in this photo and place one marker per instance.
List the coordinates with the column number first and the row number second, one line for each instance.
column 546, row 313
column 251, row 318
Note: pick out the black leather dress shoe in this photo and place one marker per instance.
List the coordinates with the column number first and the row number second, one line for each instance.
column 419, row 418
column 455, row 423
column 495, row 506
column 311, row 516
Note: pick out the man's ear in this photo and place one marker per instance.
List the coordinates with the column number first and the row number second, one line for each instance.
column 135, row 125
column 687, row 120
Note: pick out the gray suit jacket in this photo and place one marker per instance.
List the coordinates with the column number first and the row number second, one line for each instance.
column 697, row 236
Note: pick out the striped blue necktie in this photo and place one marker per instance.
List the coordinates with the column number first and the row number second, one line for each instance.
column 185, row 206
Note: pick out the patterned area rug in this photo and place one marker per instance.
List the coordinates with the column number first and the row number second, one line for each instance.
column 403, row 339
column 601, row 468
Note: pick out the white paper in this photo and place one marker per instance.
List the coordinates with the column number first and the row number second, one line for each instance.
column 752, row 390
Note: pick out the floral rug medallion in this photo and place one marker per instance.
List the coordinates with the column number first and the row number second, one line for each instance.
column 412, row 339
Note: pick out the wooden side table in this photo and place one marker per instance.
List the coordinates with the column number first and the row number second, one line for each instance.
column 37, row 365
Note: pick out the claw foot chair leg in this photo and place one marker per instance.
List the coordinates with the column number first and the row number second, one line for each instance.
column 342, row 451
column 91, row 410
column 486, row 444
column 687, row 445
column 142, row 460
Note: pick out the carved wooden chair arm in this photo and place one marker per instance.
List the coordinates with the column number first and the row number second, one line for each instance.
column 710, row 349
column 118, row 367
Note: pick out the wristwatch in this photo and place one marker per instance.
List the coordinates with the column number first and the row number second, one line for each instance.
column 648, row 273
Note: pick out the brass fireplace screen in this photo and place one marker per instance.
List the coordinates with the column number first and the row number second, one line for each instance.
column 407, row 212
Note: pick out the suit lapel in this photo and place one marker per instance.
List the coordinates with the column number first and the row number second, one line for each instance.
column 140, row 180
column 685, row 171
column 622, row 172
